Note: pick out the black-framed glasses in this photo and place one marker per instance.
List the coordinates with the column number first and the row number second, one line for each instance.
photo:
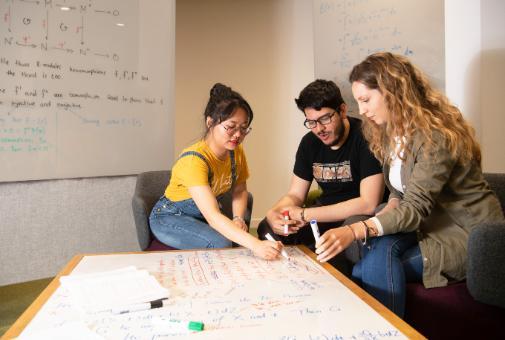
column 231, row 130
column 323, row 120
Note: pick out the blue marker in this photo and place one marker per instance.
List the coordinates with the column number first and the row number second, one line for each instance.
column 315, row 229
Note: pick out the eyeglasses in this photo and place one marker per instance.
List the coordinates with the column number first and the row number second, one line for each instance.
column 231, row 130
column 323, row 120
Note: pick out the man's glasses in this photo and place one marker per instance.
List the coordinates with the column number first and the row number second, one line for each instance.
column 231, row 130
column 323, row 120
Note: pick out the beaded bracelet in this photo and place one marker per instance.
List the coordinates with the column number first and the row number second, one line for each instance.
column 302, row 215
column 366, row 232
column 353, row 233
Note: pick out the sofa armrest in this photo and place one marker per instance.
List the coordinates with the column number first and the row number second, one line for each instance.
column 148, row 189
column 497, row 183
column 486, row 263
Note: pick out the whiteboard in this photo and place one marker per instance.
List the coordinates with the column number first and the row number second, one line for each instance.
column 346, row 31
column 86, row 87
column 235, row 294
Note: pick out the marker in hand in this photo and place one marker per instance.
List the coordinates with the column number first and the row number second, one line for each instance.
column 285, row 213
column 283, row 252
column 315, row 229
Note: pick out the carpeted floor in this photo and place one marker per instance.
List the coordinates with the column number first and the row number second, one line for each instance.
column 14, row 299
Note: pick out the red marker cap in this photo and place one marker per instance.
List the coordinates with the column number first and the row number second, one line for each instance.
column 285, row 213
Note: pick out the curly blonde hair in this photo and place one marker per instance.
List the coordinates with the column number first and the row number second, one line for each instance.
column 414, row 107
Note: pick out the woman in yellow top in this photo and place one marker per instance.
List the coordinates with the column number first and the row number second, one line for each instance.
column 188, row 215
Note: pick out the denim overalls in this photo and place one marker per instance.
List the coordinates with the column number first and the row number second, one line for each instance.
column 181, row 224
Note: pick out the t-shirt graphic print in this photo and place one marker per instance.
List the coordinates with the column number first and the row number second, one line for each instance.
column 332, row 172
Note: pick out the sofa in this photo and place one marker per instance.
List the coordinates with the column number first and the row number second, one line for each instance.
column 475, row 308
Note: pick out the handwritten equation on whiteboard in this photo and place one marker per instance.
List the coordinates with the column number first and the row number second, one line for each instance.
column 347, row 31
column 83, row 72
column 235, row 294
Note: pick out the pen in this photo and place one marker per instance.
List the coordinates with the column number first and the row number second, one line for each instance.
column 285, row 213
column 315, row 229
column 283, row 252
column 140, row 306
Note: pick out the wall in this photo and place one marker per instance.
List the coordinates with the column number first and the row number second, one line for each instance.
column 475, row 69
column 492, row 84
column 264, row 50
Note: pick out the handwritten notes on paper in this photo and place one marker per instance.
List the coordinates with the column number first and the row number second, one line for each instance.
column 235, row 294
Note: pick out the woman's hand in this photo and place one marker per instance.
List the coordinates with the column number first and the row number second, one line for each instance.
column 268, row 250
column 393, row 203
column 333, row 242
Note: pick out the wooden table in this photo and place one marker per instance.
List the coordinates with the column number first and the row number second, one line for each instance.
column 297, row 253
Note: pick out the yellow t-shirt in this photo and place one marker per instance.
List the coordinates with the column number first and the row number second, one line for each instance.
column 191, row 171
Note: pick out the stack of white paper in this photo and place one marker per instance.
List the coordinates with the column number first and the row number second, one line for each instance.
column 75, row 330
column 108, row 290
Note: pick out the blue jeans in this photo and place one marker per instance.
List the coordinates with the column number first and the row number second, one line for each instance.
column 181, row 225
column 388, row 263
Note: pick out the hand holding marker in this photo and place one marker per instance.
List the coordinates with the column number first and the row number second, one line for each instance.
column 270, row 238
column 285, row 213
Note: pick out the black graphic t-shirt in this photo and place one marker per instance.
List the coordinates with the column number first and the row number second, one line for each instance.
column 338, row 172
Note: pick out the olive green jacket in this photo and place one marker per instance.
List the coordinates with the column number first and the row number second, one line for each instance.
column 443, row 201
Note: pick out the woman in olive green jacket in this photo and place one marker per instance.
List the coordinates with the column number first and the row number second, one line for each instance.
column 432, row 166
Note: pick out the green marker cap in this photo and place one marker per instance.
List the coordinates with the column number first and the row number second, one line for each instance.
column 195, row 326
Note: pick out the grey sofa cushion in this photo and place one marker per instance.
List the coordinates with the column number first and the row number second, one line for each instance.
column 486, row 264
column 497, row 184
column 486, row 253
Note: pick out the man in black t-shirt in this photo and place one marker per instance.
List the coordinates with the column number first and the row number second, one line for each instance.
column 334, row 154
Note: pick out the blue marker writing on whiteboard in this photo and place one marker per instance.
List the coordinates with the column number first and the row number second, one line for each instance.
column 315, row 229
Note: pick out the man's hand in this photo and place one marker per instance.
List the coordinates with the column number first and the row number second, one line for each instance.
column 276, row 220
column 295, row 214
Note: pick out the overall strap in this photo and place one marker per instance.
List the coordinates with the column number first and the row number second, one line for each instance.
column 233, row 168
column 211, row 175
column 199, row 155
